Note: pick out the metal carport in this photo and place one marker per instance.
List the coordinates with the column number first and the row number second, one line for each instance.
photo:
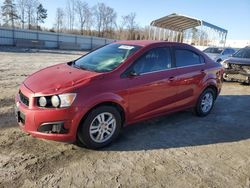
column 180, row 28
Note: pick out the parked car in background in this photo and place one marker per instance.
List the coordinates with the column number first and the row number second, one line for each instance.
column 237, row 67
column 92, row 98
column 219, row 54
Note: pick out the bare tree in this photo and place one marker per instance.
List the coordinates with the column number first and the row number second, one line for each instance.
column 70, row 10
column 195, row 36
column 99, row 10
column 9, row 12
column 21, row 7
column 31, row 6
column 109, row 21
column 130, row 24
column 88, row 20
column 81, row 10
column 105, row 17
column 59, row 19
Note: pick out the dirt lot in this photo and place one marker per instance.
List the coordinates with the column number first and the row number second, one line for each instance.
column 179, row 150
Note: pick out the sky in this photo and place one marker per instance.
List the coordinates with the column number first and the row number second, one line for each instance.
column 233, row 15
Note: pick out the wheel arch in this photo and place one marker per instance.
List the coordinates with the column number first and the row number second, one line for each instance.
column 114, row 104
column 213, row 87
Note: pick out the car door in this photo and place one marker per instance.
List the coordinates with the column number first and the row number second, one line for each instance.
column 151, row 86
column 191, row 73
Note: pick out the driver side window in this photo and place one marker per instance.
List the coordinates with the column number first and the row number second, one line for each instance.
column 154, row 60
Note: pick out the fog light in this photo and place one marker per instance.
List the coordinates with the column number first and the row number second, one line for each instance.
column 53, row 127
column 56, row 128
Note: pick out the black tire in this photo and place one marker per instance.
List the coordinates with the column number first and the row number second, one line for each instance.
column 198, row 108
column 83, row 134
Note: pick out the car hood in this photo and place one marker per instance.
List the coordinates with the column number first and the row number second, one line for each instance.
column 213, row 56
column 239, row 61
column 57, row 78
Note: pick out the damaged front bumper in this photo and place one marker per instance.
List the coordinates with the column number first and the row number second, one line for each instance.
column 239, row 73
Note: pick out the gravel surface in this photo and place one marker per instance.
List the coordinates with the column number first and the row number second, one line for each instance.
column 178, row 150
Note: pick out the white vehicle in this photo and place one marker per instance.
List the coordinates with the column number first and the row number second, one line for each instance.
column 219, row 54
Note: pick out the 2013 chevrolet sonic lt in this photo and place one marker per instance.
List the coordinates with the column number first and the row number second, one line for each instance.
column 90, row 99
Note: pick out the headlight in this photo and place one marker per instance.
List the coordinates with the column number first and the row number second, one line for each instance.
column 42, row 101
column 67, row 99
column 225, row 64
column 55, row 101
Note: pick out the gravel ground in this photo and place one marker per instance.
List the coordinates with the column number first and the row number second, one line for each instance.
column 178, row 150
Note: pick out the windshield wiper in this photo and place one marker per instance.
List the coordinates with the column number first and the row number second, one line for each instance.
column 81, row 67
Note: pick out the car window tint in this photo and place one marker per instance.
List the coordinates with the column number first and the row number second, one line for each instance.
column 186, row 58
column 228, row 51
column 153, row 60
column 213, row 50
column 202, row 60
column 242, row 53
column 225, row 52
column 232, row 51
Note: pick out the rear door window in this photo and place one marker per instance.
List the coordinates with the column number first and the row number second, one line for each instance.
column 184, row 57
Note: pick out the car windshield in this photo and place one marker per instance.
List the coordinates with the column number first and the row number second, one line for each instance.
column 213, row 50
column 243, row 53
column 107, row 58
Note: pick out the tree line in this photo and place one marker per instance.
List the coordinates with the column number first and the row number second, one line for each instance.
column 23, row 14
column 77, row 17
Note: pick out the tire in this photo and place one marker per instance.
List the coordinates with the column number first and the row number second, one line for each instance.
column 203, row 106
column 101, row 126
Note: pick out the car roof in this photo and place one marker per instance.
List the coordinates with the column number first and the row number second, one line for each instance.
column 146, row 42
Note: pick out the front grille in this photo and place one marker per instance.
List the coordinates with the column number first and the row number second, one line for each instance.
column 24, row 99
column 235, row 67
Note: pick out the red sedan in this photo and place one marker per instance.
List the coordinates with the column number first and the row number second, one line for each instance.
column 90, row 99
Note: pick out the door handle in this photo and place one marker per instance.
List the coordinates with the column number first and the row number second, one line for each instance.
column 171, row 79
column 202, row 71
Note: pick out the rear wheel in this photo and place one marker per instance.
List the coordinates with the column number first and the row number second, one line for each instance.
column 100, row 128
column 205, row 102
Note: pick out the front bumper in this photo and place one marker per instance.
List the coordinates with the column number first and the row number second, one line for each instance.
column 33, row 120
column 237, row 76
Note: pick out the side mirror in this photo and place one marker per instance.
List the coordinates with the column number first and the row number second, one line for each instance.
column 132, row 73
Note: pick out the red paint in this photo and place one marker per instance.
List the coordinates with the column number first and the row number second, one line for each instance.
column 141, row 97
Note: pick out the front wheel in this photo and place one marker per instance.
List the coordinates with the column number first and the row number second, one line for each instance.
column 100, row 128
column 205, row 102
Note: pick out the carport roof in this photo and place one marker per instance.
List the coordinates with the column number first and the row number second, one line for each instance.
column 180, row 23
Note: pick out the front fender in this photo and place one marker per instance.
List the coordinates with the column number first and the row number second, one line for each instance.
column 88, row 103
column 106, row 97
